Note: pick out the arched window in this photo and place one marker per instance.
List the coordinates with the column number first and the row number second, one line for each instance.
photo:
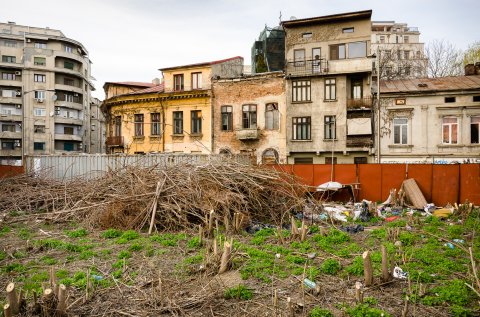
column 270, row 156
column 225, row 152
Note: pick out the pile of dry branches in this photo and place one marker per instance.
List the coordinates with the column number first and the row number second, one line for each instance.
column 179, row 196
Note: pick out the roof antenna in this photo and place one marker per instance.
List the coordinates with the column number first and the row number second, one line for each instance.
column 280, row 17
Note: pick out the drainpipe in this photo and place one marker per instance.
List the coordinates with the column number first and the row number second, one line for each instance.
column 378, row 105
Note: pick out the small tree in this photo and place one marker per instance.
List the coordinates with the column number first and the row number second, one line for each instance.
column 444, row 59
column 472, row 54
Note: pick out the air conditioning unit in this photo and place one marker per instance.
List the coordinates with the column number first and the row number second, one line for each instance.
column 18, row 73
column 18, row 106
column 57, row 108
column 75, row 95
column 17, row 143
column 18, row 93
column 39, row 100
column 29, row 40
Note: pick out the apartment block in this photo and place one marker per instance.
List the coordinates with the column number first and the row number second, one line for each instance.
column 328, row 89
column 45, row 88
column 430, row 120
column 400, row 52
column 249, row 116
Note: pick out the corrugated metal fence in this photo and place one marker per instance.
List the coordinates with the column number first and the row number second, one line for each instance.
column 65, row 167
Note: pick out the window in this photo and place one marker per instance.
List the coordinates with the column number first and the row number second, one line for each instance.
column 68, row 130
column 330, row 160
column 382, row 39
column 299, row 57
column 301, row 90
column 337, row 51
column 39, row 129
column 357, row 49
column 475, row 130
column 357, row 88
column 8, row 145
column 227, row 118
column 330, row 89
column 39, row 146
column 450, row 130
column 270, row 156
column 303, row 160
column 406, row 54
column 68, row 98
column 40, row 94
column 348, row 30
column 249, row 116
column 450, row 99
column 39, row 78
column 360, row 160
column 405, row 39
column 155, row 129
column 40, row 45
column 9, row 59
column 476, row 98
column 68, row 49
column 196, row 80
column 68, row 82
column 271, row 116
column 301, row 128
column 8, row 127
column 10, row 43
column 316, row 64
column 68, row 65
column 39, row 61
column 196, row 121
column 178, row 82
column 118, row 126
column 330, row 129
column 400, row 131
column 178, row 122
column 39, row 112
column 307, row 35
column 138, row 124
column 8, row 76
column 68, row 146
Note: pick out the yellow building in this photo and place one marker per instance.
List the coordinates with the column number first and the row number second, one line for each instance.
column 174, row 116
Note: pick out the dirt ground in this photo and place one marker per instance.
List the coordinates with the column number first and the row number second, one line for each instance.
column 128, row 273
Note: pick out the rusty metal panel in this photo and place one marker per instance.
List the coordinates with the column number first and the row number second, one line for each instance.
column 345, row 173
column 470, row 183
column 304, row 172
column 370, row 177
column 446, row 185
column 321, row 174
column 392, row 177
column 10, row 170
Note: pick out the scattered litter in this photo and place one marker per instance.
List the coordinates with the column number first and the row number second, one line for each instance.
column 352, row 229
column 310, row 284
column 399, row 273
column 97, row 277
column 429, row 208
column 255, row 226
column 413, row 193
column 450, row 245
column 443, row 212
column 337, row 213
column 458, row 241
column 398, row 243
column 311, row 255
column 392, row 218
column 329, row 186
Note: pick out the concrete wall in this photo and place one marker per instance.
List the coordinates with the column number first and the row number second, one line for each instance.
column 259, row 90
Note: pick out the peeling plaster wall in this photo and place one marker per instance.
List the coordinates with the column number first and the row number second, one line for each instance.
column 259, row 90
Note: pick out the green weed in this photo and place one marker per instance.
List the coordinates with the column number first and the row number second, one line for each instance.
column 330, row 266
column 320, row 312
column 127, row 236
column 76, row 233
column 239, row 292
column 194, row 243
column 111, row 233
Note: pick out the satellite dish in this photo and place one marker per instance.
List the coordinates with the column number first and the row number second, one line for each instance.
column 293, row 17
column 54, row 97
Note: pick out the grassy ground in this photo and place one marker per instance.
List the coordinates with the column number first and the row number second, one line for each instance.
column 134, row 274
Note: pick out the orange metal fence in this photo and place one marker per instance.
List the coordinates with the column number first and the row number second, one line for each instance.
column 440, row 184
column 8, row 170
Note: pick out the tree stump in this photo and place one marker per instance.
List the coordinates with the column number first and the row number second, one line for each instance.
column 367, row 268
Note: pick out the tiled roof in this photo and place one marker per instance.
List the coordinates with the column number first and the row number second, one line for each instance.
column 203, row 64
column 420, row 85
column 157, row 88
column 131, row 83
column 329, row 18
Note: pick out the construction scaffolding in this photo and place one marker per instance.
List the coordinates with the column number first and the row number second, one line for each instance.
column 268, row 52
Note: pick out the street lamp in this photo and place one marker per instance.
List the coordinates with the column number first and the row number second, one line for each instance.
column 376, row 56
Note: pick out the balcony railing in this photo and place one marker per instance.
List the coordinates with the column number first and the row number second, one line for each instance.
column 359, row 103
column 359, row 141
column 247, row 134
column 185, row 88
column 115, row 141
column 307, row 67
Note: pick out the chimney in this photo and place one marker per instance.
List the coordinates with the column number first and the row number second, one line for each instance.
column 156, row 81
column 470, row 69
column 477, row 68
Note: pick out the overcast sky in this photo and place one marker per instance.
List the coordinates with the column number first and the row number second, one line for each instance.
column 128, row 40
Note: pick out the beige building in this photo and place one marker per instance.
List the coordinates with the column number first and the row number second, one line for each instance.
column 400, row 51
column 328, row 89
column 430, row 120
column 45, row 88
column 97, row 127
column 249, row 116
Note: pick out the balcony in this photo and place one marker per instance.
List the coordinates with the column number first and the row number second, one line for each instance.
column 115, row 141
column 7, row 116
column 11, row 135
column 62, row 86
column 65, row 120
column 15, row 152
column 308, row 67
column 359, row 141
column 247, row 134
column 68, row 104
column 68, row 137
column 350, row 65
column 364, row 103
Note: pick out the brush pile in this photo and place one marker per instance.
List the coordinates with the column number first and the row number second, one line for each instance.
column 179, row 196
